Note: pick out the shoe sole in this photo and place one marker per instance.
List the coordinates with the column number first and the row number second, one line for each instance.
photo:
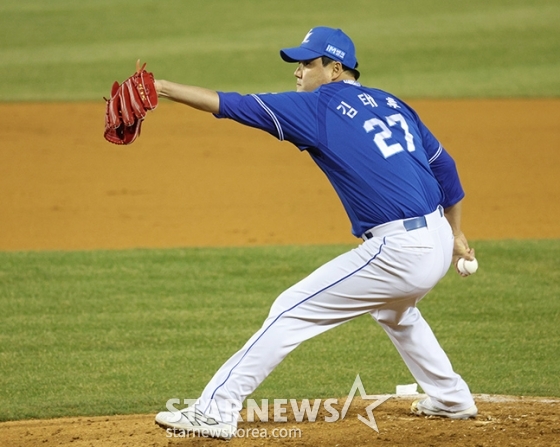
column 418, row 411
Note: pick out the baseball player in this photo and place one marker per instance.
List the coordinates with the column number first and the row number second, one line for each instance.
column 401, row 191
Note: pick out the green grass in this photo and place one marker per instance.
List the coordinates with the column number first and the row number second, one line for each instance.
column 74, row 49
column 107, row 332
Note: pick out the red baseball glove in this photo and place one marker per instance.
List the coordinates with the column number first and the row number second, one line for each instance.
column 127, row 106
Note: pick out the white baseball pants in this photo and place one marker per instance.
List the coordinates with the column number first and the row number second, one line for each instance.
column 385, row 276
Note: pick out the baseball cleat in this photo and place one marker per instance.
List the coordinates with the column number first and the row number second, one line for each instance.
column 190, row 420
column 425, row 408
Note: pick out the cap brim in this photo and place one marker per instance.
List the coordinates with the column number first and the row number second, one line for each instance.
column 298, row 54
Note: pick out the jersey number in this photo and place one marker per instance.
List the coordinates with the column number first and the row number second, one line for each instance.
column 384, row 133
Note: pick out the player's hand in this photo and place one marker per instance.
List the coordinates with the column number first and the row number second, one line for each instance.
column 128, row 104
column 461, row 249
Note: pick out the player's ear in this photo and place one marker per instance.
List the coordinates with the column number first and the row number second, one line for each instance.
column 336, row 70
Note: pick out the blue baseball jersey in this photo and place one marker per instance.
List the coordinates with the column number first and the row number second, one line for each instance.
column 381, row 159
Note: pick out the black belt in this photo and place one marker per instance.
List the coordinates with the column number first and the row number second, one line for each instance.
column 409, row 225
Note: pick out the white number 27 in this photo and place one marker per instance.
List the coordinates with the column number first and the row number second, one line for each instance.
column 384, row 133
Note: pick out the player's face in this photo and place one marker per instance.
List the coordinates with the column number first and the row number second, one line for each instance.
column 311, row 74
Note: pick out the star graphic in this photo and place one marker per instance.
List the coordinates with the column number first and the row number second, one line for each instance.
column 379, row 399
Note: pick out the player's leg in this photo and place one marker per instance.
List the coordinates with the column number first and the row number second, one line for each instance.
column 413, row 337
column 389, row 272
column 333, row 294
column 426, row 360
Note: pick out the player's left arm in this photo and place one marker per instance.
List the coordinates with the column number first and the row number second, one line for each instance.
column 249, row 110
column 196, row 97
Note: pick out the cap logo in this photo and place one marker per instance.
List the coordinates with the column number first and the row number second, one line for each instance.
column 335, row 51
column 307, row 36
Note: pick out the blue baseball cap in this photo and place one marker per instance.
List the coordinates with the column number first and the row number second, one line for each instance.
column 323, row 41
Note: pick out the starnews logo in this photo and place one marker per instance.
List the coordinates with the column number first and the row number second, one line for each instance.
column 253, row 433
column 302, row 409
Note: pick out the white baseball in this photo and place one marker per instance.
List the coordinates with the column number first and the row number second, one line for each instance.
column 467, row 267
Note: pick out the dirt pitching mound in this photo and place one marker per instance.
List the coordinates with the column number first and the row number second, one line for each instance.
column 502, row 421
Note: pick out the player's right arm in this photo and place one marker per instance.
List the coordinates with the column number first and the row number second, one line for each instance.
column 445, row 170
column 197, row 97
column 461, row 247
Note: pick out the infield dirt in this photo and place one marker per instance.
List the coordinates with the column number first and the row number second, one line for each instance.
column 191, row 180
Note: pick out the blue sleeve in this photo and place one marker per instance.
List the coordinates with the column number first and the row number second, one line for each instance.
column 288, row 116
column 443, row 167
column 246, row 110
column 445, row 171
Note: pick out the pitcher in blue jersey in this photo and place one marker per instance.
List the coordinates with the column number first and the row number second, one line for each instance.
column 401, row 191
